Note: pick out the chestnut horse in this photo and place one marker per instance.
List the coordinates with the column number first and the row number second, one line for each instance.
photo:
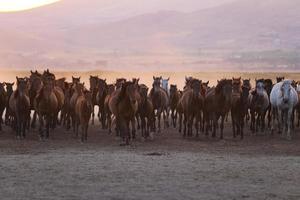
column 83, row 111
column 174, row 99
column 100, row 98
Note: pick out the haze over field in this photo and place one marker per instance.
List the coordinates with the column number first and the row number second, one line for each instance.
column 154, row 35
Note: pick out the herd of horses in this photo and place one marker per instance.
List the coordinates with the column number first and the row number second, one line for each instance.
column 128, row 104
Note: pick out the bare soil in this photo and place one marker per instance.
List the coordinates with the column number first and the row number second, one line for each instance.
column 169, row 167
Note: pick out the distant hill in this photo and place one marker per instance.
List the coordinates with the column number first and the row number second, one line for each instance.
column 56, row 35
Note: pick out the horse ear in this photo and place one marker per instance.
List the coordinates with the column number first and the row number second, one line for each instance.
column 153, row 78
column 207, row 82
column 160, row 77
column 31, row 71
column 104, row 80
column 79, row 77
column 168, row 79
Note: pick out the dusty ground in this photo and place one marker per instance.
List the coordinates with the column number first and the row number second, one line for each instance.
column 169, row 167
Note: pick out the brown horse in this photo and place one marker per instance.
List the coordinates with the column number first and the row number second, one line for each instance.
column 192, row 104
column 78, row 91
column 8, row 112
column 237, row 111
column 3, row 100
column 160, row 101
column 94, row 90
column 36, row 84
column 83, row 111
column 100, row 99
column 110, row 90
column 217, row 104
column 174, row 99
column 124, row 105
column 19, row 104
column 47, row 106
column 145, row 111
column 65, row 111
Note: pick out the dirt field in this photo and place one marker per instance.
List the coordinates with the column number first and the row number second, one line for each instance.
column 169, row 167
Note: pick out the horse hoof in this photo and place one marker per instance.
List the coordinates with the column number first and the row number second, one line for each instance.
column 288, row 137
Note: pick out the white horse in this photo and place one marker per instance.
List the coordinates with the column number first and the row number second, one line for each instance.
column 165, row 85
column 283, row 99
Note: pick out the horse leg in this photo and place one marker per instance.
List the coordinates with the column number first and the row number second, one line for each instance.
column 93, row 115
column 214, row 124
column 133, row 131
column 198, row 119
column 184, row 124
column 289, row 123
column 233, row 123
column 48, row 123
column 222, row 126
column 158, row 119
column 33, row 120
column 109, row 123
column 180, row 122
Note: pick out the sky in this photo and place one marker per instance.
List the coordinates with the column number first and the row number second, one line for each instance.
column 179, row 5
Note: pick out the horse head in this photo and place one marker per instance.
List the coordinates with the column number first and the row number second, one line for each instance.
column 93, row 82
column 286, row 91
column 156, row 83
column 224, row 88
column 279, row 79
column 75, row 80
column 22, row 86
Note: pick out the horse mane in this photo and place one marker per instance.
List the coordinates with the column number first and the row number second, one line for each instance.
column 221, row 84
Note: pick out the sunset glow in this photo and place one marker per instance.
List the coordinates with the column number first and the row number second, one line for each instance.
column 18, row 5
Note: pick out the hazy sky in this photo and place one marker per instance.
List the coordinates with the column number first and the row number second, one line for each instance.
column 139, row 5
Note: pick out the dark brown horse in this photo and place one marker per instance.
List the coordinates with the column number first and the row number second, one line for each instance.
column 94, row 90
column 65, row 119
column 268, row 87
column 145, row 111
column 124, row 105
column 83, row 111
column 174, row 99
column 8, row 112
column 47, row 107
column 216, row 105
column 100, row 99
column 239, row 103
column 19, row 104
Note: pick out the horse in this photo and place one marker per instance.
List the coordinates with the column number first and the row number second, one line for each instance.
column 100, row 99
column 192, row 104
column 268, row 83
column 83, row 111
column 246, row 87
column 36, row 84
column 47, row 106
column 3, row 100
column 66, row 109
column 8, row 112
column 259, row 103
column 47, row 75
column 217, row 103
column 110, row 90
column 239, row 106
column 145, row 111
column 165, row 84
column 124, row 105
column 283, row 99
column 78, row 91
column 160, row 101
column 76, row 80
column 174, row 99
column 94, row 90
column 19, row 104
